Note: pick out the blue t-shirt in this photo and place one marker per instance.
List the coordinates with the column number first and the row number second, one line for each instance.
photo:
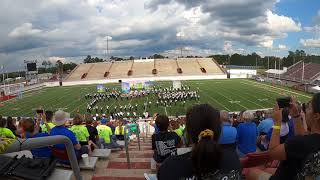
column 247, row 137
column 40, row 152
column 228, row 135
column 61, row 130
column 265, row 126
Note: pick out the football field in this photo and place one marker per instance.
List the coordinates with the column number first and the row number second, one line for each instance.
column 230, row 95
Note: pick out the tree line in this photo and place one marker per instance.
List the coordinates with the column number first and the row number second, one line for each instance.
column 266, row 62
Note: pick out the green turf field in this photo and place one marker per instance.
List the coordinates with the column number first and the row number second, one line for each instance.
column 230, row 95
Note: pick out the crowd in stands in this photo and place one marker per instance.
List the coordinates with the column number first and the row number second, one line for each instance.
column 214, row 142
column 217, row 141
column 84, row 134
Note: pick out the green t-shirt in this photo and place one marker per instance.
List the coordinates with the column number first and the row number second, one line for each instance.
column 81, row 132
column 104, row 132
column 179, row 132
column 5, row 132
column 44, row 127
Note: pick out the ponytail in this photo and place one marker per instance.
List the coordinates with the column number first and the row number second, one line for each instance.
column 203, row 127
column 206, row 154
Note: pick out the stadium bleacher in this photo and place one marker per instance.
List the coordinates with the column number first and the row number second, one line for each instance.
column 311, row 72
column 145, row 68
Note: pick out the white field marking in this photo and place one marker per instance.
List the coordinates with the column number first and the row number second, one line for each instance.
column 234, row 102
column 165, row 109
column 263, row 99
column 246, row 99
column 215, row 100
column 231, row 100
column 279, row 89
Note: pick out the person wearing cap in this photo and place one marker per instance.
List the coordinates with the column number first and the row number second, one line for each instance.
column 60, row 118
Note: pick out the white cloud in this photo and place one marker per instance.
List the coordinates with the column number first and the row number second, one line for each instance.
column 280, row 23
column 314, row 43
column 268, row 43
column 23, row 30
column 282, row 47
column 76, row 28
column 227, row 47
column 55, row 59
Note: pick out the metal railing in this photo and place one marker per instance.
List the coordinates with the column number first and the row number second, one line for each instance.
column 31, row 143
column 126, row 143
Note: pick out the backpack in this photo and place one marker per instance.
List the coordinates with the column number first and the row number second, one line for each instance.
column 27, row 168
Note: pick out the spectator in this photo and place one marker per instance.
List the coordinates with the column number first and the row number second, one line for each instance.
column 119, row 131
column 263, row 129
column 93, row 133
column 238, row 119
column 164, row 143
column 47, row 125
column 287, row 127
column 5, row 132
column 81, row 132
column 265, row 125
column 206, row 159
column 229, row 134
column 110, row 124
column 247, row 134
column 59, row 120
column 105, row 135
column 11, row 124
column 28, row 126
column 295, row 150
column 176, row 128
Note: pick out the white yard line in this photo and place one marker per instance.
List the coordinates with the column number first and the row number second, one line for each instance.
column 214, row 100
column 245, row 99
column 276, row 88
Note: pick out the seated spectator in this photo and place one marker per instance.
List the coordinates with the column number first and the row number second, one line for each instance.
column 59, row 120
column 263, row 129
column 81, row 132
column 176, row 128
column 11, row 124
column 47, row 125
column 93, row 133
column 110, row 124
column 29, row 131
column 287, row 127
column 247, row 134
column 229, row 133
column 237, row 119
column 5, row 132
column 265, row 125
column 295, row 150
column 119, row 131
column 164, row 143
column 105, row 135
column 205, row 160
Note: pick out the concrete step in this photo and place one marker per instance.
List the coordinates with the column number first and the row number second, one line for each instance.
column 124, row 165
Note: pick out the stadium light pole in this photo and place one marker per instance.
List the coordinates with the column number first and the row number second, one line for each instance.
column 107, row 52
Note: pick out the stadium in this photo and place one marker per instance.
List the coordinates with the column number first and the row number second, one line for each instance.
column 160, row 90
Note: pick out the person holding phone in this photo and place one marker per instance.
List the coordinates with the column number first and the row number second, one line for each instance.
column 295, row 150
column 46, row 124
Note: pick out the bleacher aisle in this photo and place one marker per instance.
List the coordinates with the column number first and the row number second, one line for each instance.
column 115, row 167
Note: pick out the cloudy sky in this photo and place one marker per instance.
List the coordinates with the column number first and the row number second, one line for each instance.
column 71, row 29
